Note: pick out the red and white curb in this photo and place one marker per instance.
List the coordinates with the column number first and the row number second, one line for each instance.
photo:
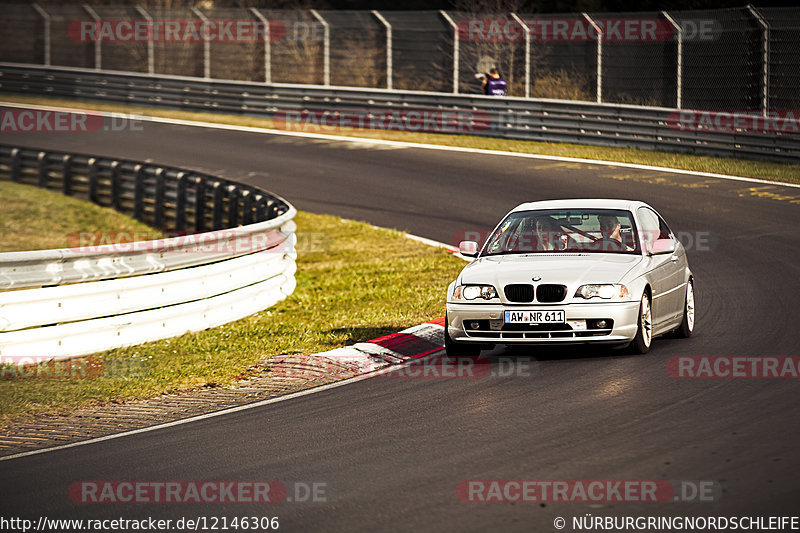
column 396, row 348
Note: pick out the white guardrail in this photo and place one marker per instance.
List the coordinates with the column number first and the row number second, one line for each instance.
column 74, row 301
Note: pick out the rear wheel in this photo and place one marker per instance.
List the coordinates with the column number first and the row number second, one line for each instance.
column 644, row 333
column 687, row 325
column 458, row 349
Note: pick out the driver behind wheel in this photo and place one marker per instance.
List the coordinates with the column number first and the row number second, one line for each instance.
column 610, row 229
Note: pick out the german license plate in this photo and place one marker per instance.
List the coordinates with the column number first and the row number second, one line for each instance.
column 544, row 316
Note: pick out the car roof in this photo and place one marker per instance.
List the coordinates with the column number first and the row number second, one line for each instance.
column 581, row 203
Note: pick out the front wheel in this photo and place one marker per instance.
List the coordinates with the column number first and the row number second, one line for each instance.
column 458, row 349
column 687, row 325
column 644, row 333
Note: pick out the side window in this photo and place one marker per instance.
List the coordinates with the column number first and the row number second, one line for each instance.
column 664, row 231
column 650, row 226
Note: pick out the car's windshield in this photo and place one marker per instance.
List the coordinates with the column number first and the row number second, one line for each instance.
column 564, row 231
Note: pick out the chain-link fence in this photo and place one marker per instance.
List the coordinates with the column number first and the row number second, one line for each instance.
column 739, row 59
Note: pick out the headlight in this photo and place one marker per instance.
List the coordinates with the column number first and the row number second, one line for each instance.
column 606, row 292
column 473, row 292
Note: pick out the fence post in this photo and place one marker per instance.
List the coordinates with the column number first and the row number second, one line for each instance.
column 158, row 201
column 98, row 41
column 16, row 156
column 599, row 57
column 233, row 206
column 679, row 74
column 41, row 180
column 326, row 50
column 527, row 31
column 267, row 45
column 180, row 202
column 66, row 175
column 765, row 60
column 151, row 55
column 247, row 209
column 200, row 204
column 46, row 19
column 116, row 185
column 91, row 172
column 455, row 48
column 388, row 27
column 138, row 193
column 206, row 45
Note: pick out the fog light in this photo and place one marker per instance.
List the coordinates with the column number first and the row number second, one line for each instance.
column 601, row 324
column 475, row 325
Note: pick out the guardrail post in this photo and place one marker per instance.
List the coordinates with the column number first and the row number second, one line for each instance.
column 91, row 171
column 599, row 57
column 247, row 209
column 158, row 201
column 388, row 27
column 47, row 42
column 180, row 202
column 233, row 206
column 261, row 208
column 66, row 175
column 151, row 55
column 326, row 50
column 41, row 178
column 765, row 59
column 200, row 204
column 98, row 41
column 217, row 194
column 267, row 45
column 16, row 157
column 116, row 185
column 527, row 31
column 456, row 40
column 206, row 44
column 679, row 66
column 138, row 193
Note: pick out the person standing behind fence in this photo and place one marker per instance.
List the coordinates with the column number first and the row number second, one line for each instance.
column 494, row 84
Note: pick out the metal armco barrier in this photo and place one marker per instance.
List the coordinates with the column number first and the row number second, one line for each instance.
column 104, row 293
column 617, row 125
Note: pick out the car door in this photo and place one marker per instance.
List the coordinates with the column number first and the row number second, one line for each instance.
column 661, row 268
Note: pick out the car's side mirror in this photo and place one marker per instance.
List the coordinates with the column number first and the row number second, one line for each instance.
column 468, row 248
column 662, row 246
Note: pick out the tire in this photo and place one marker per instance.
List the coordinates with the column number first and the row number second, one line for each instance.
column 458, row 349
column 644, row 333
column 686, row 328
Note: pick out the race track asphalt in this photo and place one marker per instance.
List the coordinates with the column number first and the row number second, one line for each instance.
column 392, row 451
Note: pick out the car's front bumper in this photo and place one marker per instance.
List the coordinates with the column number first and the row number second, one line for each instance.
column 623, row 314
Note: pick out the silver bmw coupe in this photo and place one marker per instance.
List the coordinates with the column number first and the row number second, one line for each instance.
column 572, row 271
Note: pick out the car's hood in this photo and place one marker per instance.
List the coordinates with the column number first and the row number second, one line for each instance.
column 566, row 269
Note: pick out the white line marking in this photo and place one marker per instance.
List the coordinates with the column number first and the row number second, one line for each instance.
column 403, row 144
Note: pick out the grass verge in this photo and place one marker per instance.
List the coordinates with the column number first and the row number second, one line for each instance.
column 781, row 172
column 27, row 220
column 355, row 283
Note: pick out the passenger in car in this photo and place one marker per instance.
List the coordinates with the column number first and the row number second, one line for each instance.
column 549, row 234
